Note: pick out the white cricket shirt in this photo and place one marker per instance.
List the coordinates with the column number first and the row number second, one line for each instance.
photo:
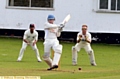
column 30, row 36
column 88, row 35
column 50, row 31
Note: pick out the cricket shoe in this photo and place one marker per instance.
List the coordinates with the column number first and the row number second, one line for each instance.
column 53, row 67
column 39, row 60
column 93, row 64
column 18, row 60
column 74, row 63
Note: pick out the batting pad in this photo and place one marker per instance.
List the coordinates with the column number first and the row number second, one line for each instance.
column 20, row 77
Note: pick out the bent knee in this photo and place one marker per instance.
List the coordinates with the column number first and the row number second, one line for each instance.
column 46, row 55
column 74, row 48
column 58, row 48
column 90, row 52
column 23, row 48
column 35, row 48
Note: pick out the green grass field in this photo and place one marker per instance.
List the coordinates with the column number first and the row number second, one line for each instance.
column 107, row 58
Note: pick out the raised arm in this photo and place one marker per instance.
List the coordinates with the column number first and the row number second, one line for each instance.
column 49, row 26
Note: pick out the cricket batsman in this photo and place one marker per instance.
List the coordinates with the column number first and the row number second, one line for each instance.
column 30, row 38
column 52, row 31
column 83, row 41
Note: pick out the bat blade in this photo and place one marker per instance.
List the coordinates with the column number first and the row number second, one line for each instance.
column 67, row 18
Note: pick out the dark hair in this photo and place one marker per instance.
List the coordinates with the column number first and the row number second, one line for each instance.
column 32, row 25
column 84, row 26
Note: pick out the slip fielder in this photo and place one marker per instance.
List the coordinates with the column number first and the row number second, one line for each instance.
column 30, row 38
column 83, row 41
column 52, row 31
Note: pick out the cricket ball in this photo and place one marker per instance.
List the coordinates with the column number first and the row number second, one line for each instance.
column 79, row 68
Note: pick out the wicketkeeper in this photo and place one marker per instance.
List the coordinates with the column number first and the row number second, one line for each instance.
column 30, row 38
column 52, row 31
column 83, row 41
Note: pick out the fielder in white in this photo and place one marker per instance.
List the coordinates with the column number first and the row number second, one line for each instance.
column 52, row 31
column 83, row 41
column 30, row 38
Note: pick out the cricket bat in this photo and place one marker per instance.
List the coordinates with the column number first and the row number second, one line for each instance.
column 66, row 19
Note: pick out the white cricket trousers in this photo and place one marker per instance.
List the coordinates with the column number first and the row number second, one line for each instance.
column 54, row 44
column 24, row 45
column 87, row 48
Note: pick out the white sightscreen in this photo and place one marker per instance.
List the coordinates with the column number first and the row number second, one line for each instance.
column 80, row 14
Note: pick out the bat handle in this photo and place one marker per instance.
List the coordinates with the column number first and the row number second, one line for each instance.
column 62, row 25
